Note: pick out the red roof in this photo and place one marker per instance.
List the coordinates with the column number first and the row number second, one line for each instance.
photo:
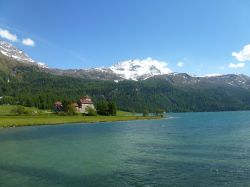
column 86, row 100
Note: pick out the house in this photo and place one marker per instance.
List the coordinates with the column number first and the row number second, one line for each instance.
column 80, row 106
column 58, row 107
column 84, row 103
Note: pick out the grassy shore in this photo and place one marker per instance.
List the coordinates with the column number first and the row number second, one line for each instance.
column 45, row 117
column 16, row 121
column 6, row 110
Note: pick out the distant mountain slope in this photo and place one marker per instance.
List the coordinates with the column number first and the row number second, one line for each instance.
column 185, row 80
column 32, row 85
column 9, row 50
column 126, row 70
column 95, row 74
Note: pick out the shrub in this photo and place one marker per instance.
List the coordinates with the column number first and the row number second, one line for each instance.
column 90, row 111
column 112, row 108
column 159, row 112
column 102, row 108
column 145, row 112
column 71, row 110
column 20, row 110
column 68, row 108
column 106, row 108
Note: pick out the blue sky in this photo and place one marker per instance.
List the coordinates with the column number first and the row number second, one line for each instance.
column 198, row 35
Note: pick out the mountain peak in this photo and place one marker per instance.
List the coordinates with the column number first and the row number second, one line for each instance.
column 140, row 69
column 11, row 51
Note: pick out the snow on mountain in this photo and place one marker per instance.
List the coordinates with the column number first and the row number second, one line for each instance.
column 208, row 75
column 140, row 69
column 9, row 50
column 42, row 65
column 132, row 70
column 213, row 75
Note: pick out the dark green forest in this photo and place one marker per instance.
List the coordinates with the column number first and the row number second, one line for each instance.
column 30, row 86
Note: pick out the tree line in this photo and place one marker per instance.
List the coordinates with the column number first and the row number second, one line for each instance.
column 29, row 87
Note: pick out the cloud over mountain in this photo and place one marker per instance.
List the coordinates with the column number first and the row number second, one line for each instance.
column 243, row 55
column 28, row 42
column 7, row 35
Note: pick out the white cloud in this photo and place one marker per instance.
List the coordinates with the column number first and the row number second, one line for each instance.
column 28, row 42
column 238, row 65
column 7, row 35
column 243, row 55
column 12, row 37
column 180, row 64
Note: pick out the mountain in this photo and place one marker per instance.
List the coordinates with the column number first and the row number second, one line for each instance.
column 11, row 51
column 130, row 70
column 140, row 69
column 127, row 70
column 94, row 73
column 23, row 81
column 228, row 80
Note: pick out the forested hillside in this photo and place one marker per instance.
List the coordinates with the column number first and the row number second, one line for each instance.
column 31, row 85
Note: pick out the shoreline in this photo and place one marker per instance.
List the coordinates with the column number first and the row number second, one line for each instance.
column 21, row 121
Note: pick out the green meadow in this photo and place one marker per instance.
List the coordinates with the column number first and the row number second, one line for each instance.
column 43, row 117
column 6, row 110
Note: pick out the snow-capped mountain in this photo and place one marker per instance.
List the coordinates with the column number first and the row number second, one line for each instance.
column 9, row 50
column 132, row 70
column 140, row 69
column 128, row 70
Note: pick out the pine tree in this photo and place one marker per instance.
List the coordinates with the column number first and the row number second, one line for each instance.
column 112, row 108
column 102, row 107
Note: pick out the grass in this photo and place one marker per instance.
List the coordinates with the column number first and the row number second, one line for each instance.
column 15, row 121
column 43, row 117
column 124, row 113
column 6, row 110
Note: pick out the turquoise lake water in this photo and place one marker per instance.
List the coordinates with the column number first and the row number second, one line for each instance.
column 187, row 149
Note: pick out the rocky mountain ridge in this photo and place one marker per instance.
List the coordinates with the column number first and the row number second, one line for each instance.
column 135, row 70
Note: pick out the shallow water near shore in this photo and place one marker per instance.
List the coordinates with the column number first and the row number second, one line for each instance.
column 186, row 149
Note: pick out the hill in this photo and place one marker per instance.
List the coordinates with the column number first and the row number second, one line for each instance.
column 31, row 85
column 131, row 84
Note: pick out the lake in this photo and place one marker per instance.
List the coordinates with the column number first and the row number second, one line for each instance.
column 186, row 149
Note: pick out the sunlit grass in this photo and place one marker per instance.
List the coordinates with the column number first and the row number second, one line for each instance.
column 6, row 110
column 44, row 117
column 123, row 113
column 14, row 121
